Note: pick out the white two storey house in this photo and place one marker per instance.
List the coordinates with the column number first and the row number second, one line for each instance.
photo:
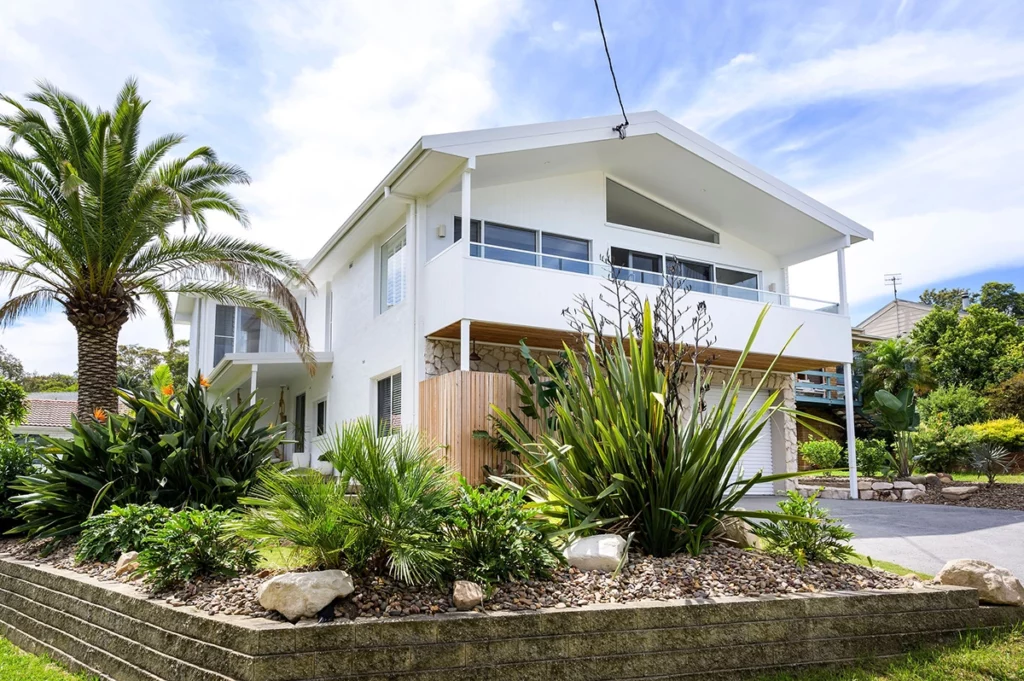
column 478, row 240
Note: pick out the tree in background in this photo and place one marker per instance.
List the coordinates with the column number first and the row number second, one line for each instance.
column 135, row 365
column 176, row 359
column 50, row 383
column 978, row 350
column 1007, row 398
column 12, row 407
column 948, row 298
column 1002, row 298
column 92, row 218
column 893, row 364
column 10, row 366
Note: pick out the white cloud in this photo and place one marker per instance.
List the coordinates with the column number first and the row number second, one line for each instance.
column 898, row 63
column 393, row 76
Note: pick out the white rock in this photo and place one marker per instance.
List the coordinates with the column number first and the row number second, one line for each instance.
column 867, row 495
column 904, row 484
column 738, row 531
column 127, row 563
column 864, row 484
column 909, row 494
column 995, row 585
column 303, row 594
column 958, row 493
column 601, row 552
column 881, row 485
column 467, row 595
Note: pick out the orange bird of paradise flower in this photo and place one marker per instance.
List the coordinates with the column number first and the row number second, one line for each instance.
column 167, row 390
column 203, row 381
column 99, row 415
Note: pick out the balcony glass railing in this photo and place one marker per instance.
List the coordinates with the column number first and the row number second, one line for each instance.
column 605, row 270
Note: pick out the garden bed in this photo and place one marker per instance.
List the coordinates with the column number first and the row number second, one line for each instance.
column 720, row 571
column 111, row 629
column 1003, row 496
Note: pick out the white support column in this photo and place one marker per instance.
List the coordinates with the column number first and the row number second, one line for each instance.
column 252, row 383
column 467, row 191
column 464, row 345
column 851, row 435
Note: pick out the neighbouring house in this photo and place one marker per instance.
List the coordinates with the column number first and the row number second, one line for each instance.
column 48, row 414
column 417, row 318
column 895, row 319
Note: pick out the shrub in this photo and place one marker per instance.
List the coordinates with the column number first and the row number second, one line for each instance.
column 118, row 530
column 1007, row 398
column 15, row 461
column 1008, row 433
column 623, row 459
column 194, row 543
column 941, row 448
column 493, row 536
column 990, row 460
column 821, row 453
column 185, row 451
column 961, row 405
column 873, row 456
column 302, row 509
column 819, row 538
column 12, row 407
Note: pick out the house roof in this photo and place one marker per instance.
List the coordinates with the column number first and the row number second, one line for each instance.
column 917, row 305
column 47, row 413
column 435, row 158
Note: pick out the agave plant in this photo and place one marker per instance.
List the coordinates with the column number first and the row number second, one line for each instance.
column 619, row 460
column 991, row 460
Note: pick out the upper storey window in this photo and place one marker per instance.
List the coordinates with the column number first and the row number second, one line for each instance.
column 632, row 209
column 392, row 271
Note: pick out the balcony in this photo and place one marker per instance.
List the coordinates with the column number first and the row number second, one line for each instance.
column 824, row 387
column 526, row 290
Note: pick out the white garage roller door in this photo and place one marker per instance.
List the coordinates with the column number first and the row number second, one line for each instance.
column 759, row 456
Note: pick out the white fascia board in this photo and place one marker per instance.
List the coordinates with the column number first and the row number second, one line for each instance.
column 183, row 308
column 811, row 252
column 375, row 197
column 538, row 136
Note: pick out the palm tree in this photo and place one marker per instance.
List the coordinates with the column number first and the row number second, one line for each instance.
column 91, row 216
column 893, row 364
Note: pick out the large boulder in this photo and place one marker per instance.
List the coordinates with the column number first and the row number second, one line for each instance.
column 467, row 595
column 303, row 594
column 127, row 564
column 602, row 552
column 995, row 585
column 738, row 531
column 958, row 493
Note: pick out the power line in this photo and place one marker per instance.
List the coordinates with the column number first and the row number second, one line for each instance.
column 621, row 127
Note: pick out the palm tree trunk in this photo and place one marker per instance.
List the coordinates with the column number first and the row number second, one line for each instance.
column 97, row 370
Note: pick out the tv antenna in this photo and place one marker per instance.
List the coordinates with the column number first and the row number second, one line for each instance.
column 895, row 280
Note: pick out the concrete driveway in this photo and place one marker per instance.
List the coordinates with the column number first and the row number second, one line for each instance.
column 924, row 537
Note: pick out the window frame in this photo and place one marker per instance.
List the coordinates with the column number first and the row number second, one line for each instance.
column 320, row 428
column 386, row 422
column 664, row 204
column 299, row 433
column 234, row 332
column 478, row 248
column 382, row 280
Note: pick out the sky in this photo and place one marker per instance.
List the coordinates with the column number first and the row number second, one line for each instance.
column 904, row 115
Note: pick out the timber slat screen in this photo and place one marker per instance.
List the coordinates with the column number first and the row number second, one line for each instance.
column 455, row 404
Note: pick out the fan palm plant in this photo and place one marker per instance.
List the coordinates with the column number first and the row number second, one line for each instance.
column 90, row 211
column 892, row 365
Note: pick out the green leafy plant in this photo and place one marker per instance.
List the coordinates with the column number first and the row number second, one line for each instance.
column 898, row 415
column 403, row 492
column 960, row 405
column 15, row 461
column 494, row 536
column 194, row 543
column 1008, row 433
column 188, row 452
column 625, row 458
column 940, row 447
column 12, row 407
column 817, row 537
column 1007, row 398
column 821, row 453
column 302, row 510
column 990, row 460
column 118, row 530
column 892, row 365
column 873, row 456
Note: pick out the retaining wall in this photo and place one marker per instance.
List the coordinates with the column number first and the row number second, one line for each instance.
column 111, row 630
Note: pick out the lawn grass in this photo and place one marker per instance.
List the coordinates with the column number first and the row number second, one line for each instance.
column 974, row 478
column 976, row 657
column 17, row 665
column 895, row 568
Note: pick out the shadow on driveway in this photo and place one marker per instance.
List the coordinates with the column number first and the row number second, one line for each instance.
column 924, row 537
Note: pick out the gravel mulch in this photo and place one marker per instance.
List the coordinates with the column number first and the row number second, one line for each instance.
column 719, row 571
column 1004, row 496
